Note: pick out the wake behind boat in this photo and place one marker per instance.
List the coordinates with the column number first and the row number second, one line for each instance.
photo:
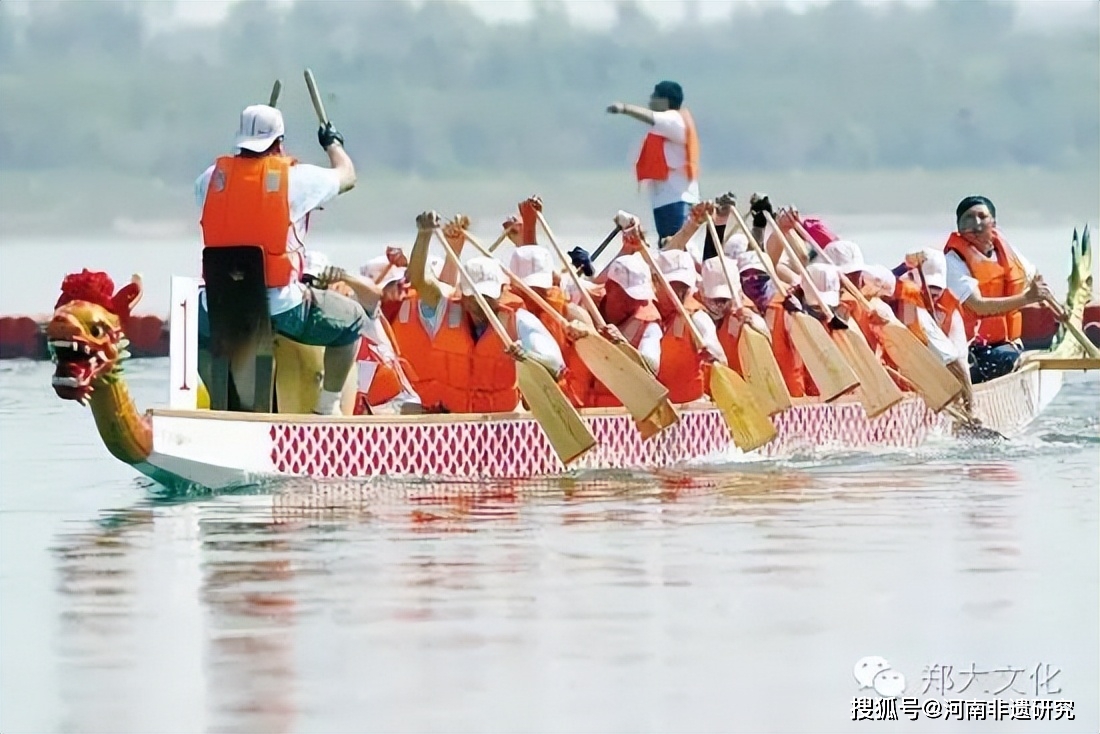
column 187, row 445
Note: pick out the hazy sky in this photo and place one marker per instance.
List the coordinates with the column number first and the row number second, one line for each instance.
column 598, row 12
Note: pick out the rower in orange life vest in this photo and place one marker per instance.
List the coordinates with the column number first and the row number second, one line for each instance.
column 384, row 385
column 461, row 365
column 993, row 282
column 627, row 305
column 669, row 157
column 262, row 196
column 942, row 330
column 727, row 309
column 533, row 265
column 683, row 364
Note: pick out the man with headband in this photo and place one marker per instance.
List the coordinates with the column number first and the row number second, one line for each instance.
column 669, row 158
column 993, row 282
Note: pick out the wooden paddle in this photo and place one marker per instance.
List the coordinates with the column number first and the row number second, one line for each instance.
column 823, row 359
column 755, row 352
column 665, row 415
column 568, row 433
column 315, row 97
column 273, row 100
column 923, row 369
column 749, row 426
column 877, row 392
column 638, row 390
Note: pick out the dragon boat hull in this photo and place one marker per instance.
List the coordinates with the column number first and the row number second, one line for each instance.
column 220, row 450
column 185, row 446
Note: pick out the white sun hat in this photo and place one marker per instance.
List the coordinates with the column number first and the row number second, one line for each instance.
column 632, row 273
column 877, row 281
column 826, row 278
column 846, row 255
column 934, row 268
column 379, row 271
column 678, row 266
column 532, row 265
column 714, row 280
column 736, row 245
column 487, row 276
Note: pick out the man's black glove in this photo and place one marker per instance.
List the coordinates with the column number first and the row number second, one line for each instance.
column 327, row 135
column 760, row 204
column 581, row 259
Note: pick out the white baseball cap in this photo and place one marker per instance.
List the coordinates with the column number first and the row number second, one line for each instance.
column 532, row 265
column 934, row 267
column 826, row 278
column 845, row 255
column 750, row 261
column 375, row 268
column 714, row 280
column 487, row 277
column 316, row 262
column 261, row 126
column 736, row 245
column 877, row 281
column 570, row 291
column 678, row 267
column 632, row 273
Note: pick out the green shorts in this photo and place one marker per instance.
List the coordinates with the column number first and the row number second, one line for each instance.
column 323, row 319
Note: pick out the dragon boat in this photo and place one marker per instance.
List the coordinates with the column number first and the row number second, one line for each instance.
column 187, row 445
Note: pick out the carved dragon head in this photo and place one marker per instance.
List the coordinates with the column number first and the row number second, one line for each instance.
column 86, row 335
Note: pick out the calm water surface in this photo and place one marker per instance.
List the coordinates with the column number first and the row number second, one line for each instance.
column 727, row 598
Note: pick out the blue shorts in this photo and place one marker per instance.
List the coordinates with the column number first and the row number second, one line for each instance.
column 670, row 218
column 988, row 362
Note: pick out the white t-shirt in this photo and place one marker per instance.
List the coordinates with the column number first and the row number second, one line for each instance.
column 963, row 285
column 308, row 188
column 650, row 345
column 709, row 331
column 529, row 330
column 671, row 126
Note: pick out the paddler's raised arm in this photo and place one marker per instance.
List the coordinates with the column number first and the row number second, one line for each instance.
column 333, row 144
column 419, row 274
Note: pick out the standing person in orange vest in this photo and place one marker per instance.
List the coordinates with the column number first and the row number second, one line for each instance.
column 261, row 196
column 669, row 158
column 993, row 282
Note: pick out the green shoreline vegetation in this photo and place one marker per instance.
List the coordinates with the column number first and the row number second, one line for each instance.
column 901, row 108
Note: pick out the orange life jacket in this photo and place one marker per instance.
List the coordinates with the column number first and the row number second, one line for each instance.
column 910, row 297
column 381, row 381
column 246, row 204
column 414, row 342
column 575, row 379
column 681, row 371
column 729, row 336
column 651, row 164
column 790, row 363
column 998, row 277
column 454, row 371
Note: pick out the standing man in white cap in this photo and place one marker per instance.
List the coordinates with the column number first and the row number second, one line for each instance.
column 461, row 364
column 669, row 157
column 260, row 196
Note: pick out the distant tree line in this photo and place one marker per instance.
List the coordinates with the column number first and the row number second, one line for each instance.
column 434, row 89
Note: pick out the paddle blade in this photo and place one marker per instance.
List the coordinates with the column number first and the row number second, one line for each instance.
column 916, row 362
column 660, row 419
column 823, row 360
column 748, row 425
column 877, row 391
column 631, row 383
column 567, row 431
column 762, row 372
